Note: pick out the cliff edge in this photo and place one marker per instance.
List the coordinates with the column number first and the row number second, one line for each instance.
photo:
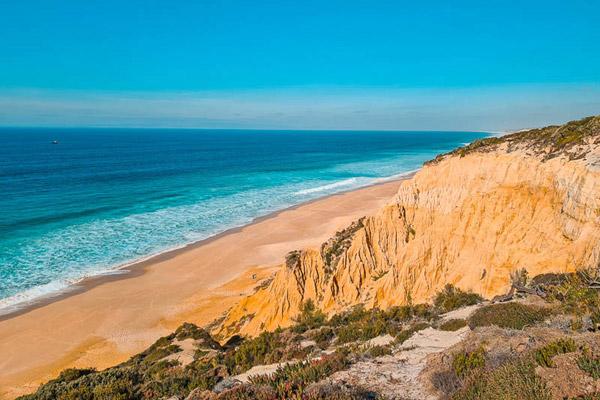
column 529, row 200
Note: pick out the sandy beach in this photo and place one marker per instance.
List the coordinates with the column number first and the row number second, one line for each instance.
column 108, row 319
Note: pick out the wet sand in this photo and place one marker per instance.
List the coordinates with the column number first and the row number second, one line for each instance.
column 106, row 319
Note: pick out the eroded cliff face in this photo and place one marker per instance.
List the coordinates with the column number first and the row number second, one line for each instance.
column 470, row 219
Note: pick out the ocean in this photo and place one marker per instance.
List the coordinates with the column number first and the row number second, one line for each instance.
column 102, row 198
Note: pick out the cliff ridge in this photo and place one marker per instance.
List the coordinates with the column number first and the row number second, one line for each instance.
column 471, row 218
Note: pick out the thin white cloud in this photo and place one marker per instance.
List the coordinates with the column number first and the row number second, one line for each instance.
column 491, row 108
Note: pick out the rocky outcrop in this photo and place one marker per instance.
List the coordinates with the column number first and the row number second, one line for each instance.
column 472, row 217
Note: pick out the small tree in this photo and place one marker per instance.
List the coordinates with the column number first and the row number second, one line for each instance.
column 310, row 317
column 451, row 298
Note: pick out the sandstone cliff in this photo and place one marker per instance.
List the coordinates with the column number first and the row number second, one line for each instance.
column 471, row 217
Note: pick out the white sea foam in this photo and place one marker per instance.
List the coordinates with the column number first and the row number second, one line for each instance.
column 352, row 183
column 330, row 186
column 13, row 303
column 396, row 176
column 48, row 291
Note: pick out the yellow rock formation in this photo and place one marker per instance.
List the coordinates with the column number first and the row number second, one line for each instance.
column 469, row 218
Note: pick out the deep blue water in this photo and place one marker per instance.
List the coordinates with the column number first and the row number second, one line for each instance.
column 104, row 197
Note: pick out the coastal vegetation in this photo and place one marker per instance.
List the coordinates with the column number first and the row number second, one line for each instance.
column 332, row 249
column 451, row 298
column 317, row 347
column 549, row 142
column 155, row 374
column 453, row 325
column 508, row 315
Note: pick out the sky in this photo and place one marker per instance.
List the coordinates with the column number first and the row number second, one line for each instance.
column 336, row 64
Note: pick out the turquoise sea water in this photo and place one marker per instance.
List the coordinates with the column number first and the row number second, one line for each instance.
column 101, row 198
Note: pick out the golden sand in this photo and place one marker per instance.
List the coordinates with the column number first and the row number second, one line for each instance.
column 110, row 319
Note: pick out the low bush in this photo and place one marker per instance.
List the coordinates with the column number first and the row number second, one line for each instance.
column 363, row 330
column 543, row 355
column 446, row 382
column 118, row 384
column 337, row 392
column 508, row 315
column 355, row 314
column 310, row 317
column 161, row 352
column 291, row 380
column 266, row 348
column 453, row 324
column 247, row 392
column 378, row 351
column 191, row 331
column 573, row 294
column 452, row 298
column 360, row 324
column 515, row 380
column 71, row 374
column 589, row 365
column 323, row 337
column 464, row 363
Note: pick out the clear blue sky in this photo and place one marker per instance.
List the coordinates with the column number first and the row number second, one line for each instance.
column 211, row 58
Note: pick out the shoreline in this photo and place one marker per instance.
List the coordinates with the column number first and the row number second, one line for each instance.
column 105, row 319
column 136, row 268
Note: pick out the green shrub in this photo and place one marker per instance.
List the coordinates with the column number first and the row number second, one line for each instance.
column 550, row 141
column 161, row 353
column 362, row 330
column 248, row 392
column 452, row 298
column 360, row 324
column 515, row 380
column 573, row 294
column 543, row 356
column 71, row 374
column 576, row 324
column 464, row 363
column 291, row 380
column 508, row 315
column 589, row 365
column 252, row 352
column 323, row 337
column 191, row 331
column 453, row 324
column 393, row 315
column 356, row 314
column 118, row 384
column 378, row 351
column 310, row 317
column 328, row 391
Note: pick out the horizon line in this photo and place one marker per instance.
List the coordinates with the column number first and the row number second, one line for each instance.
column 251, row 129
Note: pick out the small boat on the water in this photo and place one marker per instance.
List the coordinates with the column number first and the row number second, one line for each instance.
column 55, row 142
